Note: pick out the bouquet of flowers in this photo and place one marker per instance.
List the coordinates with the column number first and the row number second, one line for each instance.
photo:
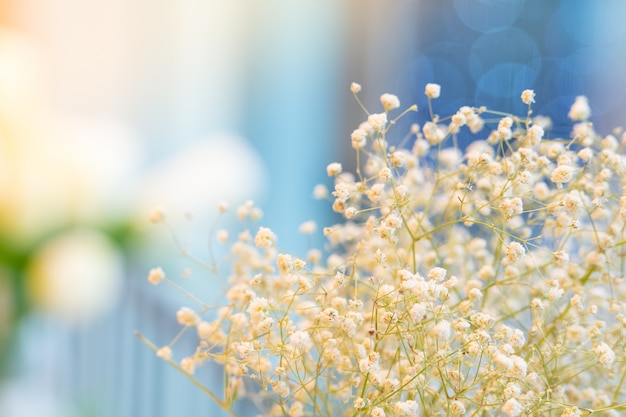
column 484, row 280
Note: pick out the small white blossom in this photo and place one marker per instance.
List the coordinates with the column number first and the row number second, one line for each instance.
column 187, row 317
column 164, row 353
column 378, row 412
column 188, row 365
column 308, row 227
column 432, row 90
column 157, row 215
column 514, row 252
column 562, row 174
column 264, row 238
column 512, row 408
column 359, row 138
column 333, row 169
column 300, row 340
column 407, row 408
column 377, row 121
column 606, row 356
column 528, row 96
column 580, row 110
column 389, row 101
column 155, row 276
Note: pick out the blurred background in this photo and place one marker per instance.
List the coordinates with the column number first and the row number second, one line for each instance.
column 111, row 108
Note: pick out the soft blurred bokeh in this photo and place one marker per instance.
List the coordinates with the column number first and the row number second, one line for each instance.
column 111, row 108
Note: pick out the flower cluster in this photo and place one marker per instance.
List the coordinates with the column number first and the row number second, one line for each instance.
column 477, row 280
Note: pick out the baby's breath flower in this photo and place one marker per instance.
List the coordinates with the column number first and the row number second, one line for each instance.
column 300, row 340
column 222, row 206
column 264, row 238
column 511, row 206
column 222, row 236
column 442, row 330
column 164, row 353
column 534, row 135
column 378, row 412
column 407, row 408
column 378, row 121
column 580, row 109
column 432, row 90
column 427, row 288
column 157, row 215
column 555, row 293
column 155, row 276
column 285, row 262
column 333, row 169
column 389, row 101
column 359, row 403
column 571, row 412
column 320, row 192
column 606, row 356
column 512, row 408
column 359, row 138
column 514, row 252
column 528, row 96
column 457, row 408
column 187, row 317
column 296, row 409
column 355, row 88
column 562, row 174
column 437, row 274
column 433, row 133
column 188, row 365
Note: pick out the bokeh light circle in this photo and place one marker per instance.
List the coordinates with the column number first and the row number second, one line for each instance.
column 486, row 15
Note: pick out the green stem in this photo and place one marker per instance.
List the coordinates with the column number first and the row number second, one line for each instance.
column 223, row 405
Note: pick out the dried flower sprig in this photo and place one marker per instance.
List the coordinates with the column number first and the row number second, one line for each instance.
column 486, row 280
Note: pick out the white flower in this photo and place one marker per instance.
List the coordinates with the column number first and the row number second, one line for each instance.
column 406, row 408
column 562, row 174
column 585, row 154
column 457, row 408
column 164, row 353
column 606, row 356
column 308, row 227
column 359, row 403
column 355, row 88
column 433, row 133
column 377, row 121
column 187, row 317
column 511, row 206
column 188, row 365
column 264, row 238
column 296, row 409
column 378, row 412
column 359, row 138
column 333, row 169
column 528, row 96
column 222, row 236
column 555, row 293
column 155, row 276
column 284, row 262
column 442, row 330
column 512, row 408
column 432, row 90
column 534, row 134
column 300, row 340
column 320, row 192
column 389, row 101
column 580, row 110
column 157, row 215
column 571, row 412
column 514, row 252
